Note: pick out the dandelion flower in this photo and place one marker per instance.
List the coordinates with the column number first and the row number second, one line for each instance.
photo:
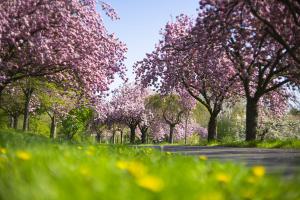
column 122, row 164
column 152, row 183
column 202, row 157
column 136, row 169
column 23, row 155
column 258, row 171
column 223, row 178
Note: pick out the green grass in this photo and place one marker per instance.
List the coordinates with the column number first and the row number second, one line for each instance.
column 33, row 167
column 269, row 144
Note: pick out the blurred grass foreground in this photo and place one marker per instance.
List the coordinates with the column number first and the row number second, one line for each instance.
column 34, row 167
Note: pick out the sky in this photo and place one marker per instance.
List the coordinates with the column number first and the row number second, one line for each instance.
column 140, row 23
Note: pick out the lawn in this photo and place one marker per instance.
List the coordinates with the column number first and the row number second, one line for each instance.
column 33, row 167
column 268, row 144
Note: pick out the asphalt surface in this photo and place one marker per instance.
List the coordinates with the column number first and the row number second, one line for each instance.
column 286, row 161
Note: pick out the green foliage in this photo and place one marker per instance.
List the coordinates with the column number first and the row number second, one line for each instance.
column 40, row 124
column 76, row 122
column 201, row 115
column 168, row 104
column 34, row 167
column 3, row 120
column 283, row 128
column 231, row 122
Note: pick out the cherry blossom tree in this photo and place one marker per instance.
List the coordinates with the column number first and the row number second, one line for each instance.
column 263, row 65
column 127, row 107
column 159, row 130
column 147, row 120
column 197, row 65
column 169, row 108
column 62, row 40
column 280, row 18
column 186, row 130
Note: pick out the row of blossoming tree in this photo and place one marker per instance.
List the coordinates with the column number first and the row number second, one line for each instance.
column 58, row 58
column 234, row 49
column 149, row 116
column 53, row 54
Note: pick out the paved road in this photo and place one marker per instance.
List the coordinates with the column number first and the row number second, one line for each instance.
column 285, row 161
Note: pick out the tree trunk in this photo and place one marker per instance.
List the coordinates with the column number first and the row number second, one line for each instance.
column 1, row 90
column 121, row 134
column 251, row 119
column 212, row 128
column 185, row 130
column 113, row 137
column 144, row 135
column 53, row 127
column 170, row 139
column 132, row 134
column 16, row 120
column 11, row 121
column 28, row 94
column 98, row 137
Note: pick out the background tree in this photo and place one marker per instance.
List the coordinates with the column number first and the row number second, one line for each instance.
column 13, row 104
column 128, row 107
column 197, row 65
column 57, row 103
column 170, row 108
column 77, row 121
column 144, row 126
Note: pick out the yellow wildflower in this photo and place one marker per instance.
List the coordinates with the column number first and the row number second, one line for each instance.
column 258, row 171
column 23, row 155
column 223, row 178
column 202, row 157
column 151, row 183
column 122, row 164
column 3, row 150
column 136, row 169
